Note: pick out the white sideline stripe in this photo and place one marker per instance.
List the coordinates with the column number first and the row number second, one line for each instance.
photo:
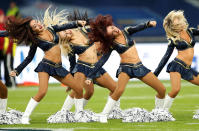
column 153, row 97
column 191, row 123
column 58, row 129
column 83, row 128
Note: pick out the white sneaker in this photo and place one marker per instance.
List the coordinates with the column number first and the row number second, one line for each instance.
column 103, row 119
column 25, row 120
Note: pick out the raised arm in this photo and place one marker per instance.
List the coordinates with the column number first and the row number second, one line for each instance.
column 3, row 33
column 27, row 60
column 133, row 29
column 69, row 25
column 165, row 58
column 99, row 65
column 194, row 31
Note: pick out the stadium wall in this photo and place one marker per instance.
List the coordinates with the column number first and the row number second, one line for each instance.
column 150, row 55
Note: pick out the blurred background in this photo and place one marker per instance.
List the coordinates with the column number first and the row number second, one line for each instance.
column 124, row 12
column 151, row 43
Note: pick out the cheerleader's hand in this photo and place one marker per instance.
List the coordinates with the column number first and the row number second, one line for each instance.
column 13, row 73
column 152, row 23
column 88, row 81
column 81, row 22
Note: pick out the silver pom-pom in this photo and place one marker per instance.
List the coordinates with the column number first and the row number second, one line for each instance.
column 62, row 116
column 116, row 113
column 196, row 115
column 135, row 115
column 11, row 117
column 160, row 115
column 86, row 116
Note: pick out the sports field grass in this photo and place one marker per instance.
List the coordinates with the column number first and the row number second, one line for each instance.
column 136, row 94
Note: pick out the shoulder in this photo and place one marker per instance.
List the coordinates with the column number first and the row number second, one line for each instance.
column 191, row 29
column 126, row 28
column 50, row 28
column 170, row 42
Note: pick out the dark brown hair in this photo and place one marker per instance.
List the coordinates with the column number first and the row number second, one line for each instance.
column 19, row 29
column 76, row 15
column 99, row 32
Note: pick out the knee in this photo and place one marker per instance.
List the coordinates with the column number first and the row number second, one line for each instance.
column 112, row 89
column 89, row 92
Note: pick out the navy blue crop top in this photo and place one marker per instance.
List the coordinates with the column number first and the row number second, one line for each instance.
column 180, row 45
column 45, row 45
column 127, row 32
column 79, row 49
column 120, row 48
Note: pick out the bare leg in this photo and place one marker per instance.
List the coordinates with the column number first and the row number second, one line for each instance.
column 122, row 82
column 43, row 87
column 89, row 89
column 80, row 77
column 175, row 88
column 71, row 82
column 151, row 80
column 195, row 80
column 175, row 84
column 74, row 84
column 107, row 82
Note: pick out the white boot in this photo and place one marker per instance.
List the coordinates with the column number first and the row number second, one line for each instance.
column 78, row 105
column 30, row 107
column 107, row 109
column 159, row 103
column 68, row 103
column 85, row 102
column 79, row 114
column 117, row 104
column 168, row 102
column 3, row 105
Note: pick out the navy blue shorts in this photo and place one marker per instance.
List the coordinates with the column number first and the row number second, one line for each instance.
column 53, row 69
column 133, row 70
column 86, row 68
column 185, row 70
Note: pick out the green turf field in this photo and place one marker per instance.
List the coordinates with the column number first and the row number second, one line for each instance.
column 136, row 94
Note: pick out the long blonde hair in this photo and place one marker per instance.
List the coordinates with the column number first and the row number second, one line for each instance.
column 51, row 18
column 172, row 28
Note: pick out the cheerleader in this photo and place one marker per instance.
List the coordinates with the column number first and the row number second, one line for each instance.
column 112, row 38
column 35, row 34
column 88, row 54
column 181, row 37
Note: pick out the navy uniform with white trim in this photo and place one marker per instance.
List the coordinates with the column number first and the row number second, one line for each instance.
column 178, row 65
